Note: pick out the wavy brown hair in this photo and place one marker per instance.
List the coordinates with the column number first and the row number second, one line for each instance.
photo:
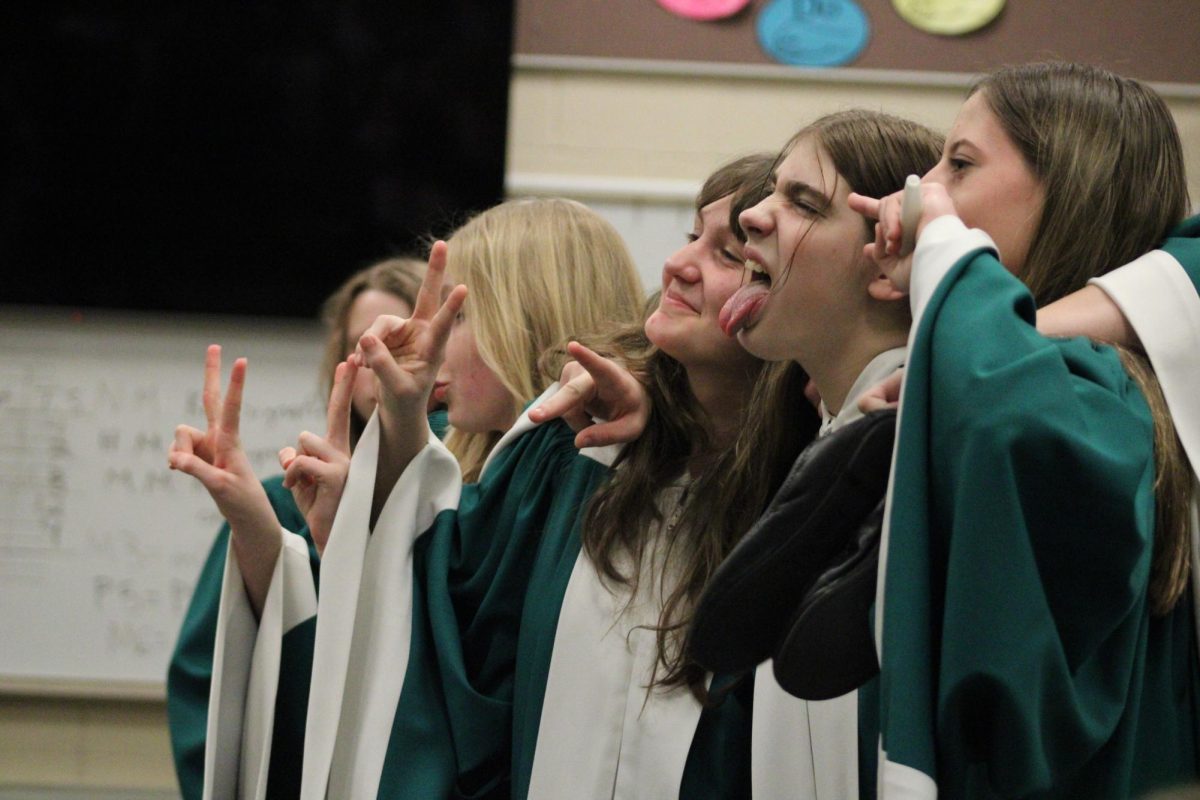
column 726, row 497
column 1072, row 123
column 401, row 277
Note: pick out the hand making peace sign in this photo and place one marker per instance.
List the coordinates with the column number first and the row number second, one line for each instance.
column 599, row 398
column 316, row 471
column 405, row 353
column 216, row 459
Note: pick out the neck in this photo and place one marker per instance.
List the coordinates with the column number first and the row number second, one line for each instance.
column 835, row 369
column 723, row 394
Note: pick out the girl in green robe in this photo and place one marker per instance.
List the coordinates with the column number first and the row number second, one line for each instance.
column 604, row 701
column 273, row 663
column 1035, row 618
column 388, row 287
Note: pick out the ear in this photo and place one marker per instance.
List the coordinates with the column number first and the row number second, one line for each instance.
column 881, row 288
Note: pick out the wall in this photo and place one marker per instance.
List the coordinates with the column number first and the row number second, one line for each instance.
column 640, row 136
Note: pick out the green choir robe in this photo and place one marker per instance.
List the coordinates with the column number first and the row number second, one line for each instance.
column 189, row 674
column 466, row 639
column 190, row 671
column 1018, row 654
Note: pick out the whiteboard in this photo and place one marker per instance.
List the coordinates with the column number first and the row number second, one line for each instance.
column 100, row 544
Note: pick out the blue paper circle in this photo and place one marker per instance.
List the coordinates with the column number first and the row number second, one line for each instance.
column 813, row 33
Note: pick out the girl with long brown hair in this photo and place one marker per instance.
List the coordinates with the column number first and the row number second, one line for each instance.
column 681, row 497
column 1036, row 617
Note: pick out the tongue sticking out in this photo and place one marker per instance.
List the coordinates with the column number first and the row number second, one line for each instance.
column 743, row 305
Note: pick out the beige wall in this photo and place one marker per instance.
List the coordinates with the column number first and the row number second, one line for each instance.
column 568, row 122
column 601, row 134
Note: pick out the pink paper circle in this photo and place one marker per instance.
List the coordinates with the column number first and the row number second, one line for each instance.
column 704, row 10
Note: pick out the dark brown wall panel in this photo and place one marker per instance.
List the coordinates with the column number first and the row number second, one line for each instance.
column 1156, row 40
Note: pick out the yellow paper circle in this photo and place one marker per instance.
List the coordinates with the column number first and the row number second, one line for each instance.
column 948, row 17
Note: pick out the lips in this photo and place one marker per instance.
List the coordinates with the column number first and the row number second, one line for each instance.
column 677, row 299
column 439, row 391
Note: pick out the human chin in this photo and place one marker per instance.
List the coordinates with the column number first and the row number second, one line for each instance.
column 758, row 340
column 462, row 420
column 657, row 326
column 362, row 397
column 363, row 406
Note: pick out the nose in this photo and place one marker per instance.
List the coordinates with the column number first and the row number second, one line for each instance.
column 937, row 174
column 756, row 220
column 682, row 264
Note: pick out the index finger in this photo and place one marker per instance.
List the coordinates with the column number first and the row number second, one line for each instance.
column 606, row 372
column 573, row 394
column 867, row 206
column 337, row 415
column 429, row 296
column 212, row 383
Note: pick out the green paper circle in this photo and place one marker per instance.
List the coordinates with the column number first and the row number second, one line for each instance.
column 948, row 17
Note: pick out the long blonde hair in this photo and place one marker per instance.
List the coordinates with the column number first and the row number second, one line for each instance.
column 539, row 272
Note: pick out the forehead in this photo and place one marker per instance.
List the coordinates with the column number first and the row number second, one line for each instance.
column 977, row 122
column 716, row 213
column 808, row 163
column 370, row 303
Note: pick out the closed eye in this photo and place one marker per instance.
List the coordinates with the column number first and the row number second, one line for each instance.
column 733, row 258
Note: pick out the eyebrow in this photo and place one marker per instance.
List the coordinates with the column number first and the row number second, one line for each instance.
column 795, row 190
column 955, row 144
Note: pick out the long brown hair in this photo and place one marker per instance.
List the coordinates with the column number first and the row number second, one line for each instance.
column 873, row 153
column 728, row 495
column 400, row 277
column 1110, row 162
column 1107, row 153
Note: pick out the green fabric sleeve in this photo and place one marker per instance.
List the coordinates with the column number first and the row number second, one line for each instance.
column 189, row 674
column 452, row 734
column 1183, row 242
column 1016, row 633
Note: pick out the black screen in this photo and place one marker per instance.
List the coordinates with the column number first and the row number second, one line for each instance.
column 239, row 157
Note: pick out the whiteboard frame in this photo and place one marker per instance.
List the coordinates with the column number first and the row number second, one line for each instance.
column 70, row 688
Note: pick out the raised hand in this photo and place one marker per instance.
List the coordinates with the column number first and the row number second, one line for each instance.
column 216, row 459
column 888, row 250
column 405, row 353
column 595, row 387
column 316, row 471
